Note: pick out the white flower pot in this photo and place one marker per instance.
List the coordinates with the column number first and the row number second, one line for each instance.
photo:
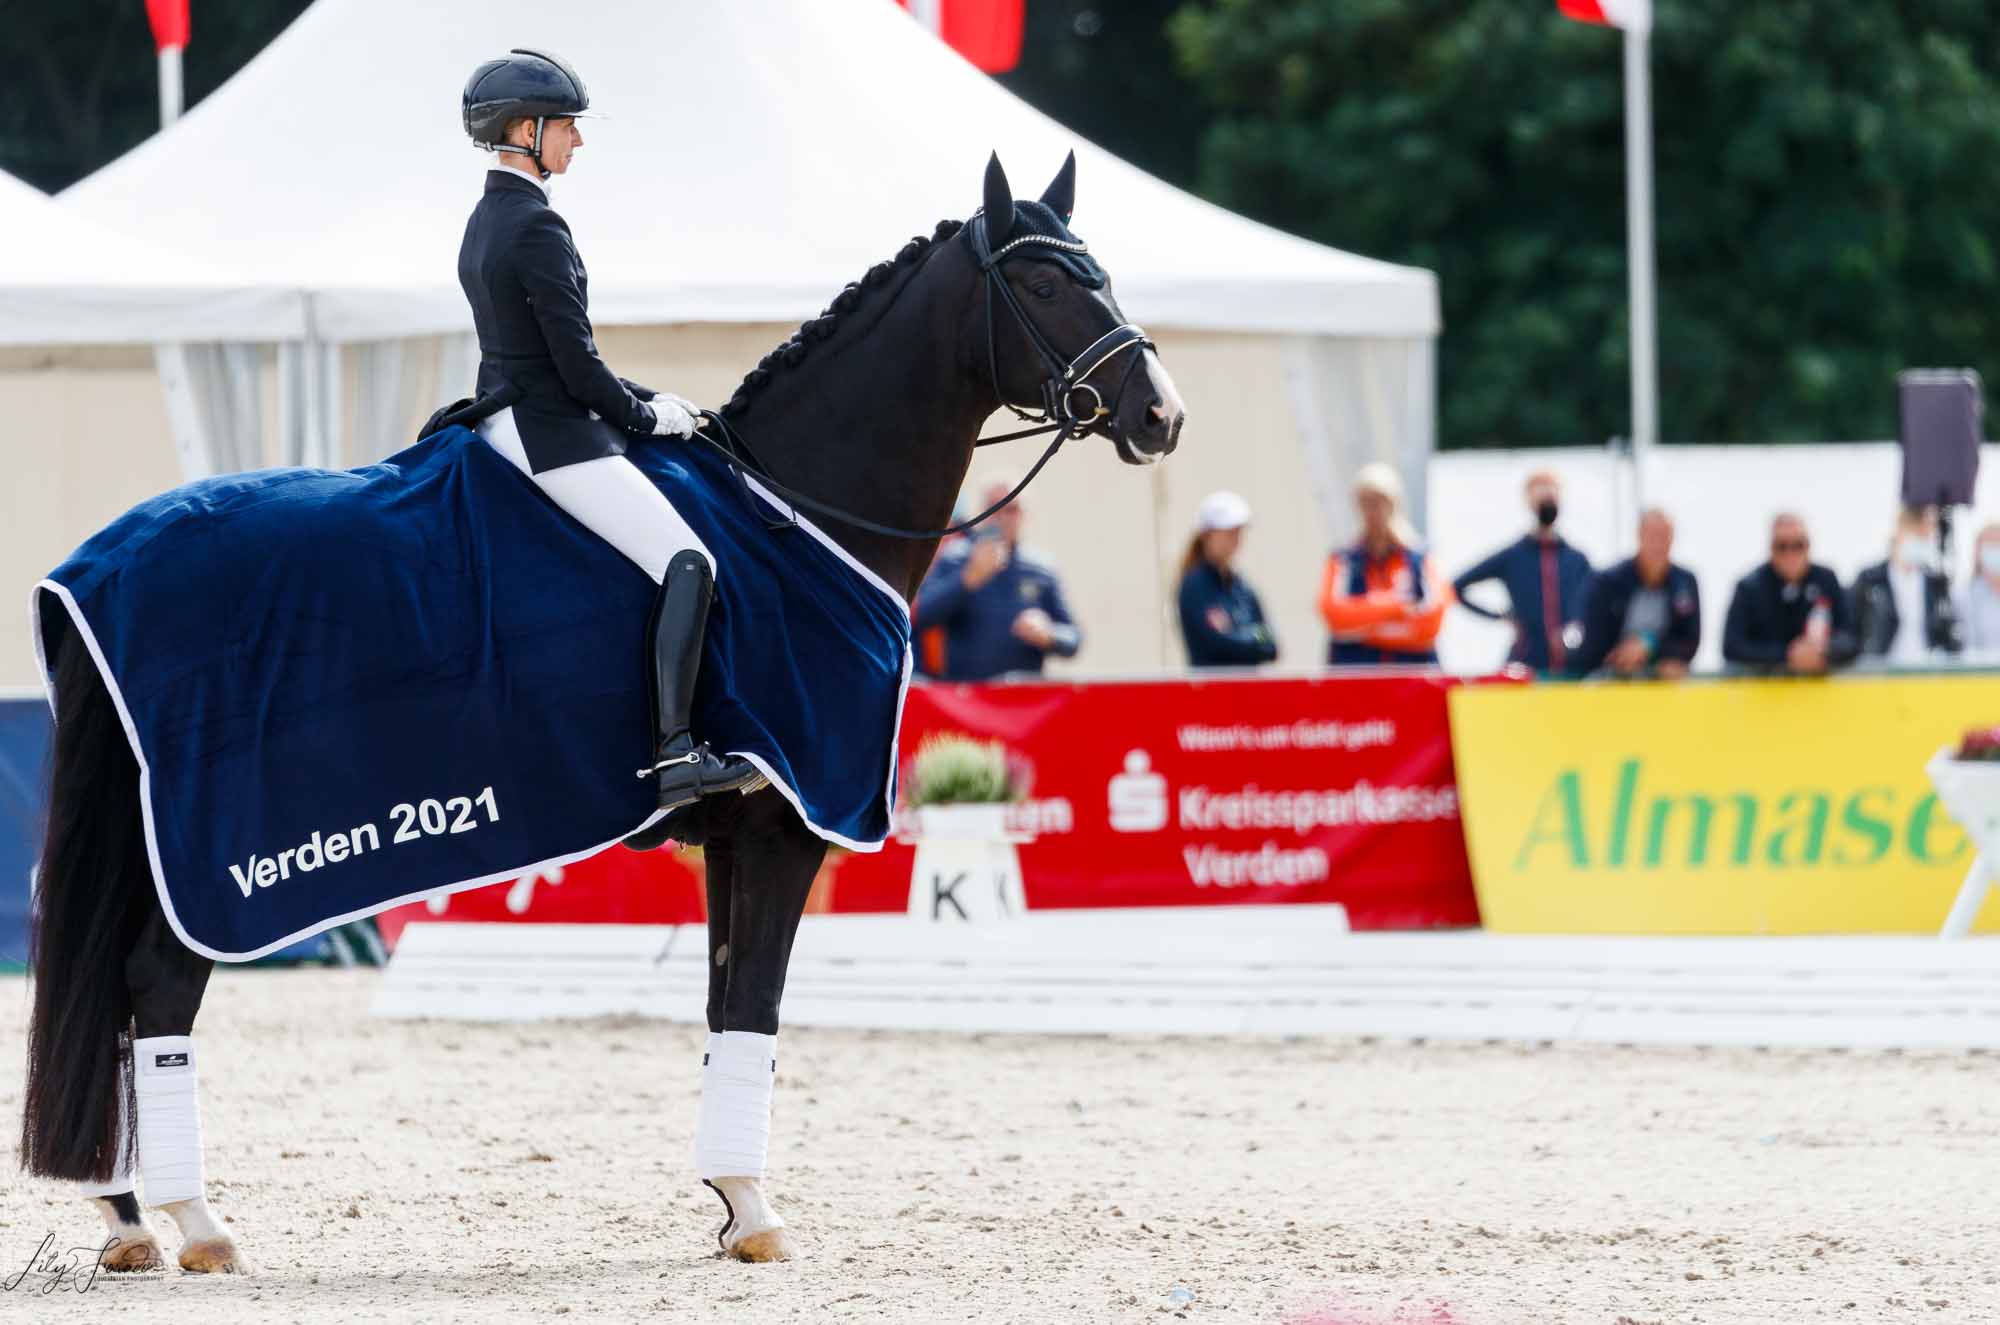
column 1969, row 790
column 967, row 866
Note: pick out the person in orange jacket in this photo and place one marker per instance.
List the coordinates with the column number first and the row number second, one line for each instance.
column 1381, row 597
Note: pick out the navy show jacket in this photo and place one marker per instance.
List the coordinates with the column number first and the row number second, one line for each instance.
column 1222, row 623
column 529, row 293
column 1608, row 598
column 978, row 624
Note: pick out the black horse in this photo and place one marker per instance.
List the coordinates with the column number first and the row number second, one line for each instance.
column 869, row 413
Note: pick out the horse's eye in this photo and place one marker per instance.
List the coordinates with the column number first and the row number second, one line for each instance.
column 1045, row 290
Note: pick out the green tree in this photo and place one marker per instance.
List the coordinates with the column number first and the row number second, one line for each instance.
column 82, row 90
column 1107, row 71
column 1822, row 212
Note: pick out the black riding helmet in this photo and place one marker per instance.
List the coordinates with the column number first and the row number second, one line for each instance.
column 521, row 85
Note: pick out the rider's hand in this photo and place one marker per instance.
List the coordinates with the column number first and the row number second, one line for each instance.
column 681, row 401
column 673, row 417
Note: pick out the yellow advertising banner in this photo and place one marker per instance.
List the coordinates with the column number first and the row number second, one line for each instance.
column 1738, row 806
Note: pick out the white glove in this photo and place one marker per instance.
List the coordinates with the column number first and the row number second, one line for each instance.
column 673, row 417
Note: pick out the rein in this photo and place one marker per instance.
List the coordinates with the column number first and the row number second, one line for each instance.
column 1058, row 414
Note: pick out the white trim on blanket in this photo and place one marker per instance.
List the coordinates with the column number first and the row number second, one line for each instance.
column 41, row 654
column 152, row 839
column 773, row 500
column 888, row 791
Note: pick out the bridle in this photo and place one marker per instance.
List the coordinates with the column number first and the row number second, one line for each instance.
column 1062, row 386
column 1064, row 381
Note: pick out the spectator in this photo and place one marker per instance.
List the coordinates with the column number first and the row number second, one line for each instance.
column 1902, row 606
column 1381, row 598
column 929, row 660
column 1642, row 616
column 1222, row 622
column 1980, row 613
column 1789, row 614
column 998, row 603
column 1545, row 579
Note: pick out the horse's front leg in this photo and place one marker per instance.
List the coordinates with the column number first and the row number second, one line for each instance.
column 760, row 869
column 167, row 982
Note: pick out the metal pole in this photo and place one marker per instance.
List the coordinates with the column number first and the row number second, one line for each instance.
column 171, row 99
column 1639, row 255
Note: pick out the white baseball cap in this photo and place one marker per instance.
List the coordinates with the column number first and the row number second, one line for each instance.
column 1222, row 510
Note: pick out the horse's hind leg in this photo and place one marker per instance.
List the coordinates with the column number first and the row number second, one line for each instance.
column 167, row 981
column 761, row 867
column 130, row 1245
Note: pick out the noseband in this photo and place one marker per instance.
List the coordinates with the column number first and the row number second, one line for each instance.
column 1062, row 387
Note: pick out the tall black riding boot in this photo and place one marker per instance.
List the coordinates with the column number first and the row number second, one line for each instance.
column 686, row 768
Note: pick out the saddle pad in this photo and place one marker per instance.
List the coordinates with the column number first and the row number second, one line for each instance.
column 350, row 689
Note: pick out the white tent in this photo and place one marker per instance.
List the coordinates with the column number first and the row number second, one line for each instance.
column 69, row 280
column 760, row 154
column 82, row 307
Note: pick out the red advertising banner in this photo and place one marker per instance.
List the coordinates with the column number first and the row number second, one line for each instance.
column 1142, row 793
column 1198, row 792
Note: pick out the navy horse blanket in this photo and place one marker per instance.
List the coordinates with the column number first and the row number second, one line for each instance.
column 349, row 689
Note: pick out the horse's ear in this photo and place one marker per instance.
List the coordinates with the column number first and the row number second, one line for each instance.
column 1060, row 195
column 999, row 204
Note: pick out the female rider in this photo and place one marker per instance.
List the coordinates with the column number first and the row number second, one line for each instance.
column 548, row 403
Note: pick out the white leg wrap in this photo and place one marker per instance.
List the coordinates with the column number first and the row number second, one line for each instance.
column 169, row 1118
column 733, row 1133
column 121, row 1181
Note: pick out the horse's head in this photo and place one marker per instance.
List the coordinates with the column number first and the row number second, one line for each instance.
column 1055, row 338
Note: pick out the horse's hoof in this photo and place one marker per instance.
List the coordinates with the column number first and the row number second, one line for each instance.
column 129, row 1255
column 213, row 1256
column 773, row 1244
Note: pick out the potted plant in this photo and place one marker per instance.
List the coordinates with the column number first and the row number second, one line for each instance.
column 967, row 865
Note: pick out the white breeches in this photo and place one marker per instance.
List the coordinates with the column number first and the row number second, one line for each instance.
column 609, row 497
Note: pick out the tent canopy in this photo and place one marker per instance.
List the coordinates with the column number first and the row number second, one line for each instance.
column 759, row 155
column 67, row 280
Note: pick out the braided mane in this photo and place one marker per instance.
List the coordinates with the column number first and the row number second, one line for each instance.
column 820, row 328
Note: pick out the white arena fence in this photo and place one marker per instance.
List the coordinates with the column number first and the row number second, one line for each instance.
column 1276, row 970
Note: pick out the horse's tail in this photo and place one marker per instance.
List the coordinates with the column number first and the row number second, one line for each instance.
column 94, row 885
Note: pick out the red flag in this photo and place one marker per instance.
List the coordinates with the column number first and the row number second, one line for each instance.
column 986, row 32
column 1635, row 14
column 170, row 22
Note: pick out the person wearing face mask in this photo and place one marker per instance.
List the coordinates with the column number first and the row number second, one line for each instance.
column 1979, row 609
column 1902, row 606
column 1545, row 580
